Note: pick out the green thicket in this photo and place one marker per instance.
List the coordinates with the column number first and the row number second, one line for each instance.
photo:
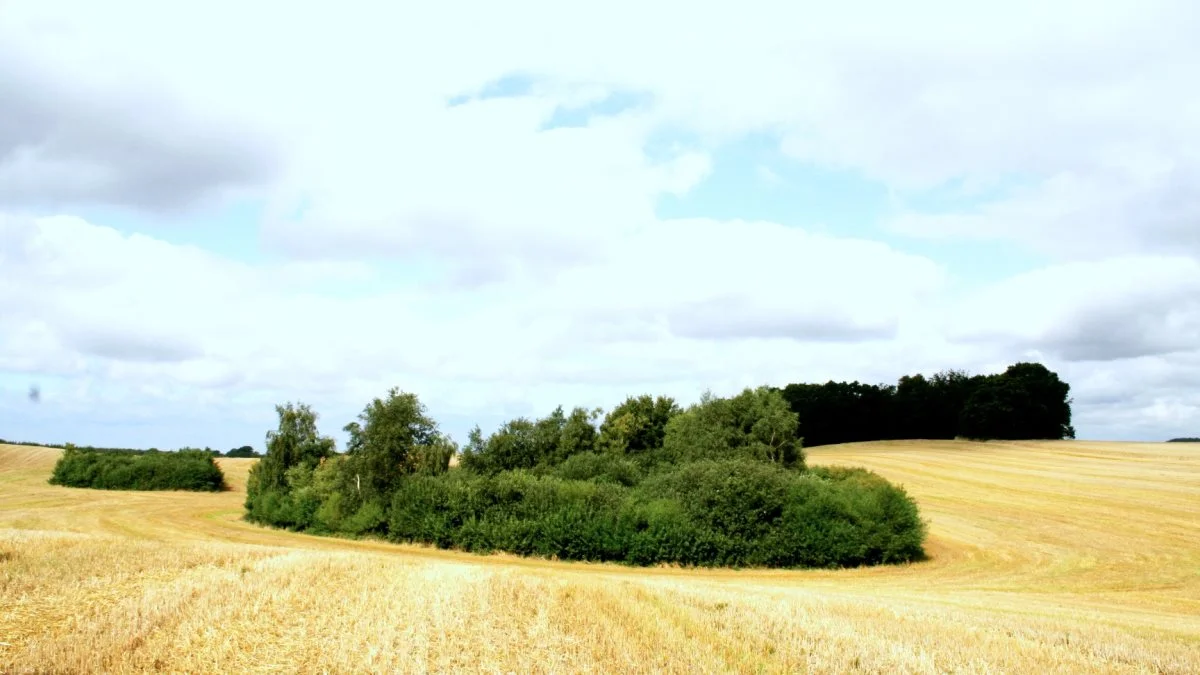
column 113, row 469
column 722, row 482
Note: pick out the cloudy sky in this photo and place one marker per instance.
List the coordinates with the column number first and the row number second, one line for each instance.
column 209, row 208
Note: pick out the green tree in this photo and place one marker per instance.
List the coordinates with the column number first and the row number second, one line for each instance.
column 523, row 443
column 755, row 424
column 1046, row 409
column 1026, row 401
column 512, row 446
column 637, row 425
column 391, row 439
column 244, row 451
column 472, row 456
column 433, row 458
column 578, row 433
column 295, row 442
column 546, row 436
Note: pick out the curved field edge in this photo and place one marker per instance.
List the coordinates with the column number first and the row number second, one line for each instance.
column 1064, row 557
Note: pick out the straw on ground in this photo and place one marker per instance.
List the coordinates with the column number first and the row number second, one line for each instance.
column 1045, row 557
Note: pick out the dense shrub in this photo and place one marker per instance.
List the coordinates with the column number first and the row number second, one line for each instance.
column 600, row 467
column 186, row 469
column 756, row 424
column 722, row 482
column 732, row 512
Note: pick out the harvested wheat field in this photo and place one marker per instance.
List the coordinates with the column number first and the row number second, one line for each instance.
column 1044, row 557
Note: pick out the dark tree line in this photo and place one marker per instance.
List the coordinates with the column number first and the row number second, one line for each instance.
column 89, row 448
column 1027, row 401
column 243, row 451
column 1187, row 439
column 722, row 482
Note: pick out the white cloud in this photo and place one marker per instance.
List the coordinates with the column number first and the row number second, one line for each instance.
column 537, row 269
column 87, row 301
column 1118, row 308
column 1151, row 398
column 922, row 93
column 63, row 142
column 1083, row 215
column 1125, row 332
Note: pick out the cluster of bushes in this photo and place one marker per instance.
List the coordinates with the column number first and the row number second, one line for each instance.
column 1025, row 402
column 722, row 482
column 115, row 469
column 1184, row 440
column 713, row 512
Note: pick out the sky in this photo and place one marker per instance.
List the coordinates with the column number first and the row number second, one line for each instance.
column 208, row 209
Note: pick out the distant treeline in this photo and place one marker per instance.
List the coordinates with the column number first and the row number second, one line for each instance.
column 1027, row 401
column 1185, row 440
column 243, row 451
column 722, row 482
column 64, row 446
column 116, row 469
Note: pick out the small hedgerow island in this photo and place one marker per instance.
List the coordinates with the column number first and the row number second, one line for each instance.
column 720, row 483
column 124, row 469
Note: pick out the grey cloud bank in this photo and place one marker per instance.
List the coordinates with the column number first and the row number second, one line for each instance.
column 67, row 143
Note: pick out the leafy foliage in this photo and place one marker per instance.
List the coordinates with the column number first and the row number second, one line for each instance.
column 525, row 444
column 1027, row 401
column 1185, row 440
column 392, row 438
column 244, row 451
column 112, row 469
column 275, row 486
column 720, row 483
column 756, row 424
column 731, row 512
column 638, row 425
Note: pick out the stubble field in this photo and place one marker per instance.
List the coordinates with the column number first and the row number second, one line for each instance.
column 1044, row 557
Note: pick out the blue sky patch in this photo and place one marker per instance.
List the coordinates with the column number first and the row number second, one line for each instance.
column 958, row 196
column 231, row 231
column 512, row 85
column 752, row 180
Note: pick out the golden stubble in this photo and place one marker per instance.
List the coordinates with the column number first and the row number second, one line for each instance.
column 1044, row 557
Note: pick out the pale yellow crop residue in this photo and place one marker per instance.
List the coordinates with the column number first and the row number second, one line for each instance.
column 1044, row 558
